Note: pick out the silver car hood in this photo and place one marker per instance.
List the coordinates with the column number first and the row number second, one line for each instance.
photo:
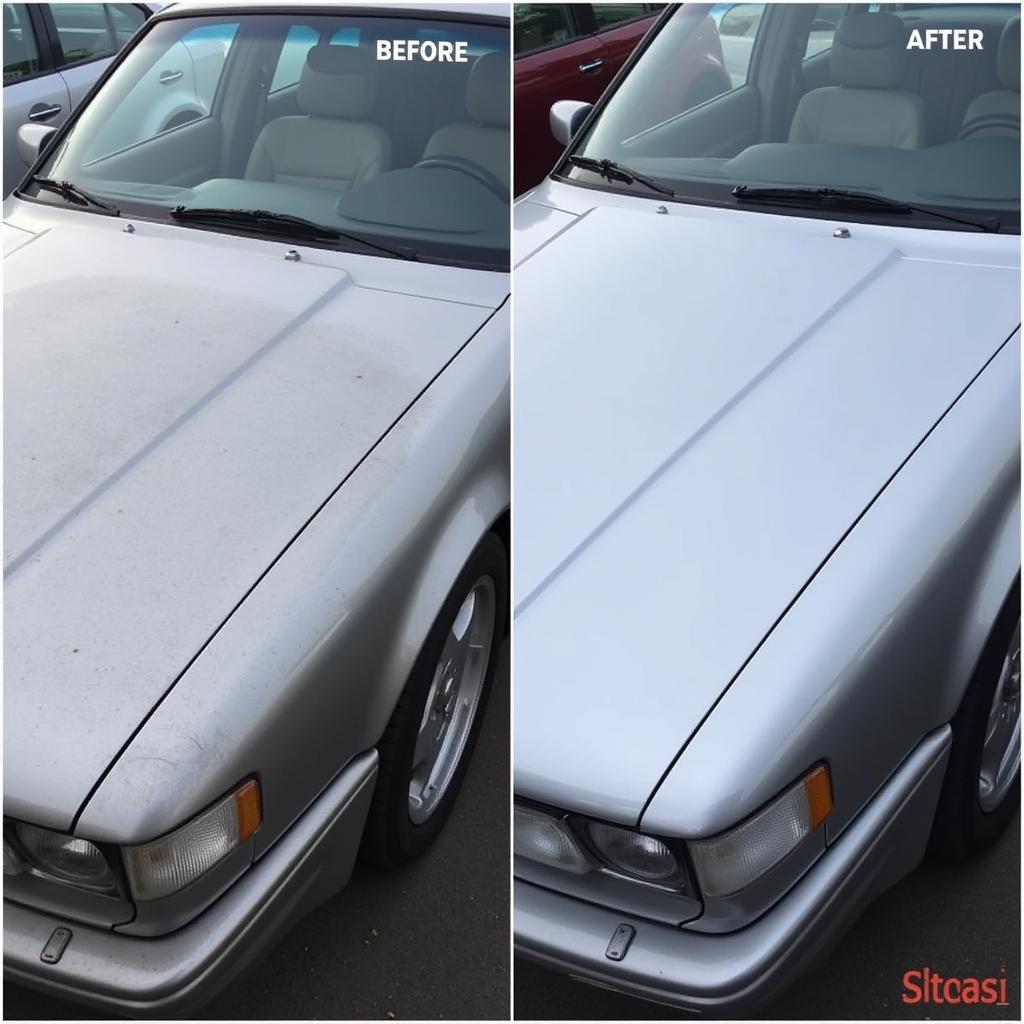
column 703, row 406
column 178, row 406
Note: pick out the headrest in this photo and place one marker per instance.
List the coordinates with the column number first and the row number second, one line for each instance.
column 487, row 91
column 337, row 81
column 869, row 51
column 9, row 22
column 1008, row 61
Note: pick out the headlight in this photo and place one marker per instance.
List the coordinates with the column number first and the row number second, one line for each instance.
column 177, row 859
column 635, row 854
column 547, row 840
column 582, row 846
column 64, row 858
column 729, row 862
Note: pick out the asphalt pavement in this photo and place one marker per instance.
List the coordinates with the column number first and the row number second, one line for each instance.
column 958, row 919
column 428, row 941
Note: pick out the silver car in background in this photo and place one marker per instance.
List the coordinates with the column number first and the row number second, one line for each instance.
column 256, row 494
column 767, row 493
column 53, row 54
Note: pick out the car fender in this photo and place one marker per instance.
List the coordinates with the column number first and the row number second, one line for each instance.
column 334, row 626
column 878, row 648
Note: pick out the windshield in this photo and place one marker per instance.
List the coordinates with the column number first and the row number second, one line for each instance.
column 917, row 103
column 393, row 129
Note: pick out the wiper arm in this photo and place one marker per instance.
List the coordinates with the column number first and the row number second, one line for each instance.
column 850, row 199
column 282, row 223
column 616, row 172
column 72, row 193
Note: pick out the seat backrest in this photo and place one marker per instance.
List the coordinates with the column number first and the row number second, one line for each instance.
column 998, row 112
column 329, row 145
column 484, row 138
column 864, row 108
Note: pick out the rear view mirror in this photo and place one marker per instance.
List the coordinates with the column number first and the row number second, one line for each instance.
column 566, row 117
column 32, row 140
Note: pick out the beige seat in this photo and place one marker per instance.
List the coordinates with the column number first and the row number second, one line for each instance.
column 330, row 145
column 484, row 138
column 865, row 108
column 998, row 112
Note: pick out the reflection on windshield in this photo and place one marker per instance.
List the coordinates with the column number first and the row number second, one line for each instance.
column 870, row 107
column 412, row 153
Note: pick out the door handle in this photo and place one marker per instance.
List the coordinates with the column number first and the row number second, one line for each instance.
column 592, row 67
column 166, row 77
column 43, row 113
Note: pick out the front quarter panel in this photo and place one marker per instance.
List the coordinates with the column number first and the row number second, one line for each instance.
column 878, row 648
column 305, row 674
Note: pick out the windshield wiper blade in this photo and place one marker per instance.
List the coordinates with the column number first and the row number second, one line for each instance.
column 616, row 172
column 283, row 223
column 73, row 193
column 850, row 199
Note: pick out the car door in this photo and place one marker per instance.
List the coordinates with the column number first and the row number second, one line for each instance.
column 620, row 27
column 86, row 38
column 557, row 57
column 33, row 90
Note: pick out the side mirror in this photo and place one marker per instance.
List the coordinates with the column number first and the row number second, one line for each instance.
column 566, row 117
column 32, row 140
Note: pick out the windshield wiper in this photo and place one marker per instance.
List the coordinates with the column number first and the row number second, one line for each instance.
column 283, row 224
column 72, row 193
column 849, row 199
column 616, row 172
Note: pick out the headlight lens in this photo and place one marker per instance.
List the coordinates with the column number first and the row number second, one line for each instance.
column 65, row 857
column 547, row 840
column 727, row 863
column 177, row 859
column 633, row 853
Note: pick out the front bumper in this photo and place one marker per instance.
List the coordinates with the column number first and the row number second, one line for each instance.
column 176, row 973
column 737, row 973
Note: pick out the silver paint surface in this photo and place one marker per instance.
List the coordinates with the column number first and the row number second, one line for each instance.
column 726, row 426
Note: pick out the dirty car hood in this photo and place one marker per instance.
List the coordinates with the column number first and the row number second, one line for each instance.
column 177, row 408
column 696, row 426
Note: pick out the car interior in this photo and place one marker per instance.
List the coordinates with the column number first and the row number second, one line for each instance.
column 866, row 112
column 431, row 138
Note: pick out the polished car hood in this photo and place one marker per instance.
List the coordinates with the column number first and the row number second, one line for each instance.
column 178, row 405
column 703, row 406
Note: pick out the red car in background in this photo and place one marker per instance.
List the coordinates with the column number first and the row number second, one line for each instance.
column 572, row 52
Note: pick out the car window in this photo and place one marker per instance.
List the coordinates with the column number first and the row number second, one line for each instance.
column 610, row 15
column 84, row 31
column 176, row 90
column 823, row 28
column 399, row 131
column 127, row 19
column 540, row 25
column 913, row 125
column 21, row 57
column 738, row 25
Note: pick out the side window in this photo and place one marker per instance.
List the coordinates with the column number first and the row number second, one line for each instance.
column 738, row 25
column 538, row 26
column 84, row 31
column 127, row 19
column 610, row 15
column 297, row 44
column 171, row 89
column 21, row 57
column 823, row 28
column 208, row 50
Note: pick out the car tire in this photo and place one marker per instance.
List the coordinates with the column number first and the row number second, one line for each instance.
column 400, row 826
column 964, row 825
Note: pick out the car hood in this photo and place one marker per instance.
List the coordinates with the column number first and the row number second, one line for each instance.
column 178, row 406
column 697, row 425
